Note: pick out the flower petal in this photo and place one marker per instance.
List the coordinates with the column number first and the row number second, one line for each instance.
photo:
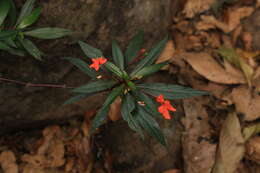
column 160, row 99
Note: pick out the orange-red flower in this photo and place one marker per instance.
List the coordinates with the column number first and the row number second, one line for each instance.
column 165, row 107
column 96, row 62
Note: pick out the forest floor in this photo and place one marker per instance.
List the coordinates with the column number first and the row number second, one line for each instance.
column 215, row 46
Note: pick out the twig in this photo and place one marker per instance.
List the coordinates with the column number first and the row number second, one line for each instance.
column 28, row 84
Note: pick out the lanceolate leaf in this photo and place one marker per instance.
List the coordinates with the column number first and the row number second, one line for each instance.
column 114, row 69
column 118, row 56
column 150, row 125
column 5, row 47
column 30, row 19
column 7, row 34
column 26, row 10
column 102, row 113
column 128, row 106
column 84, row 67
column 4, row 8
column 12, row 13
column 151, row 57
column 96, row 86
column 148, row 103
column 149, row 70
column 170, row 91
column 31, row 48
column 48, row 33
column 76, row 98
column 134, row 46
column 90, row 51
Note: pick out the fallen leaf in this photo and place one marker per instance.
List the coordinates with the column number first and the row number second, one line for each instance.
column 246, row 102
column 167, row 54
column 250, row 131
column 211, row 20
column 234, row 15
column 51, row 151
column 231, row 146
column 114, row 113
column 232, row 19
column 209, row 68
column 232, row 56
column 193, row 7
column 235, row 34
column 199, row 157
column 253, row 149
column 8, row 162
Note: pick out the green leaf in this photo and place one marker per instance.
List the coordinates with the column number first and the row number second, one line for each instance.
column 90, row 51
column 5, row 34
column 31, row 48
column 118, row 56
column 102, row 113
column 170, row 91
column 30, row 19
column 12, row 13
column 48, row 33
column 149, row 70
column 150, row 125
column 151, row 57
column 84, row 67
column 233, row 57
column 128, row 106
column 134, row 47
column 5, row 47
column 114, row 69
column 76, row 98
column 149, row 104
column 96, row 86
column 4, row 9
column 26, row 11
column 10, row 42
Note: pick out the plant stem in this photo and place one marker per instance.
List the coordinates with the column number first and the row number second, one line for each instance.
column 28, row 84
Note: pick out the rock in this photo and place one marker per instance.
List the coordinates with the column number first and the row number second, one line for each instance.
column 94, row 21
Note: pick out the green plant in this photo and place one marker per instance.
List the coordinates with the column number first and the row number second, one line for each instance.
column 14, row 29
column 139, row 100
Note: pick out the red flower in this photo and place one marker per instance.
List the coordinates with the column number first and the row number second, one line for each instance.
column 160, row 99
column 96, row 62
column 165, row 107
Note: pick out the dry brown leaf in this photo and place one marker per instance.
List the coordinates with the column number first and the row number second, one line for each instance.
column 8, row 162
column 234, row 16
column 209, row 68
column 32, row 169
column 193, row 7
column 51, row 151
column 172, row 171
column 253, row 149
column 212, row 21
column 198, row 157
column 246, row 103
column 235, row 34
column 114, row 113
column 231, row 146
column 167, row 54
column 232, row 19
column 250, row 131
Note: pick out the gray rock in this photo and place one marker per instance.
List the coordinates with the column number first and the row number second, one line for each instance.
column 94, row 21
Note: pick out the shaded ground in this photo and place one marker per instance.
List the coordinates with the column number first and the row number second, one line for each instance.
column 217, row 52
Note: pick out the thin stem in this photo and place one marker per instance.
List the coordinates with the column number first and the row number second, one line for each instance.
column 28, row 84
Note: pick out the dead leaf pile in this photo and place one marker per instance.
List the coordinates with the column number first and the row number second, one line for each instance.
column 214, row 51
